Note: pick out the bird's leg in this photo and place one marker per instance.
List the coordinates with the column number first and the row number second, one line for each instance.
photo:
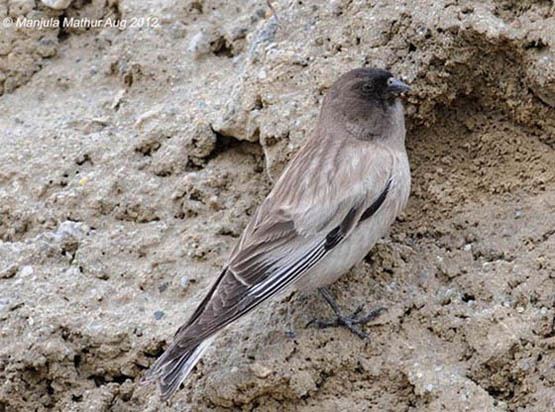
column 290, row 331
column 349, row 321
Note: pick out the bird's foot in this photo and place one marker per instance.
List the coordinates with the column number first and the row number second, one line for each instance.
column 350, row 322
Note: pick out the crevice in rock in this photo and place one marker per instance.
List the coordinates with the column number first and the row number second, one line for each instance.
column 223, row 144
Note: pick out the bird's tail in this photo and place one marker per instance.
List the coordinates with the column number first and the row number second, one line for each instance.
column 173, row 366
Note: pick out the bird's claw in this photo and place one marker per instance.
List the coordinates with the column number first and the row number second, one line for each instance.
column 349, row 322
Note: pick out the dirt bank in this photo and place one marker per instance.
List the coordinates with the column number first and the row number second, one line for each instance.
column 132, row 158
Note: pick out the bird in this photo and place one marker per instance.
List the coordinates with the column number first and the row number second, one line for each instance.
column 334, row 200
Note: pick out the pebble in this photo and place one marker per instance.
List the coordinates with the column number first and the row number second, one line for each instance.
column 336, row 7
column 203, row 140
column 199, row 44
column 158, row 314
column 184, row 282
column 260, row 371
column 57, row 4
column 116, row 101
column 27, row 271
column 9, row 272
column 70, row 229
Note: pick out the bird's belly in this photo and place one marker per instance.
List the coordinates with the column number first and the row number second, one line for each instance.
column 346, row 255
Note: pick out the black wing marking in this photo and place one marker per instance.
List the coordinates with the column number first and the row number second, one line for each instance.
column 373, row 208
column 338, row 233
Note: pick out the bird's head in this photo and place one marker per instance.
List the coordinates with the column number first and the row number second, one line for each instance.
column 375, row 87
column 365, row 103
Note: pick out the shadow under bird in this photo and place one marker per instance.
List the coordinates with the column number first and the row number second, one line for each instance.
column 334, row 201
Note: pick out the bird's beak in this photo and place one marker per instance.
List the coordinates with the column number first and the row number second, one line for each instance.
column 396, row 86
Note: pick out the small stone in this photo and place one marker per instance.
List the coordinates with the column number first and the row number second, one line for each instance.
column 184, row 282
column 178, row 30
column 47, row 47
column 57, row 4
column 116, row 101
column 336, row 7
column 202, row 141
column 144, row 117
column 8, row 272
column 199, row 44
column 486, row 266
column 260, row 371
column 26, row 271
column 158, row 314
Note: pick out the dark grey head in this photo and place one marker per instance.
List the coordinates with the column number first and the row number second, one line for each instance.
column 368, row 86
column 366, row 103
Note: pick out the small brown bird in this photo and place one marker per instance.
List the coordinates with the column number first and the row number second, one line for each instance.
column 336, row 198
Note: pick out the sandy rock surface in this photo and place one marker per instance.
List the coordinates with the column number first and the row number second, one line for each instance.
column 132, row 157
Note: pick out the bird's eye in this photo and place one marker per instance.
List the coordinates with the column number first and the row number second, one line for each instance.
column 390, row 81
column 367, row 87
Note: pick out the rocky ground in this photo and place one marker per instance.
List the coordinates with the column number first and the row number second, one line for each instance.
column 132, row 157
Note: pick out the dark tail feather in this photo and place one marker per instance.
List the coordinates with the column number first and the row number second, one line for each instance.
column 172, row 368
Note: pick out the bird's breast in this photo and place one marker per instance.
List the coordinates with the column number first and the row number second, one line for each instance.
column 353, row 249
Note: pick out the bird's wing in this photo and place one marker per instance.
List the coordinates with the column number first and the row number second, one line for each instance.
column 313, row 207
